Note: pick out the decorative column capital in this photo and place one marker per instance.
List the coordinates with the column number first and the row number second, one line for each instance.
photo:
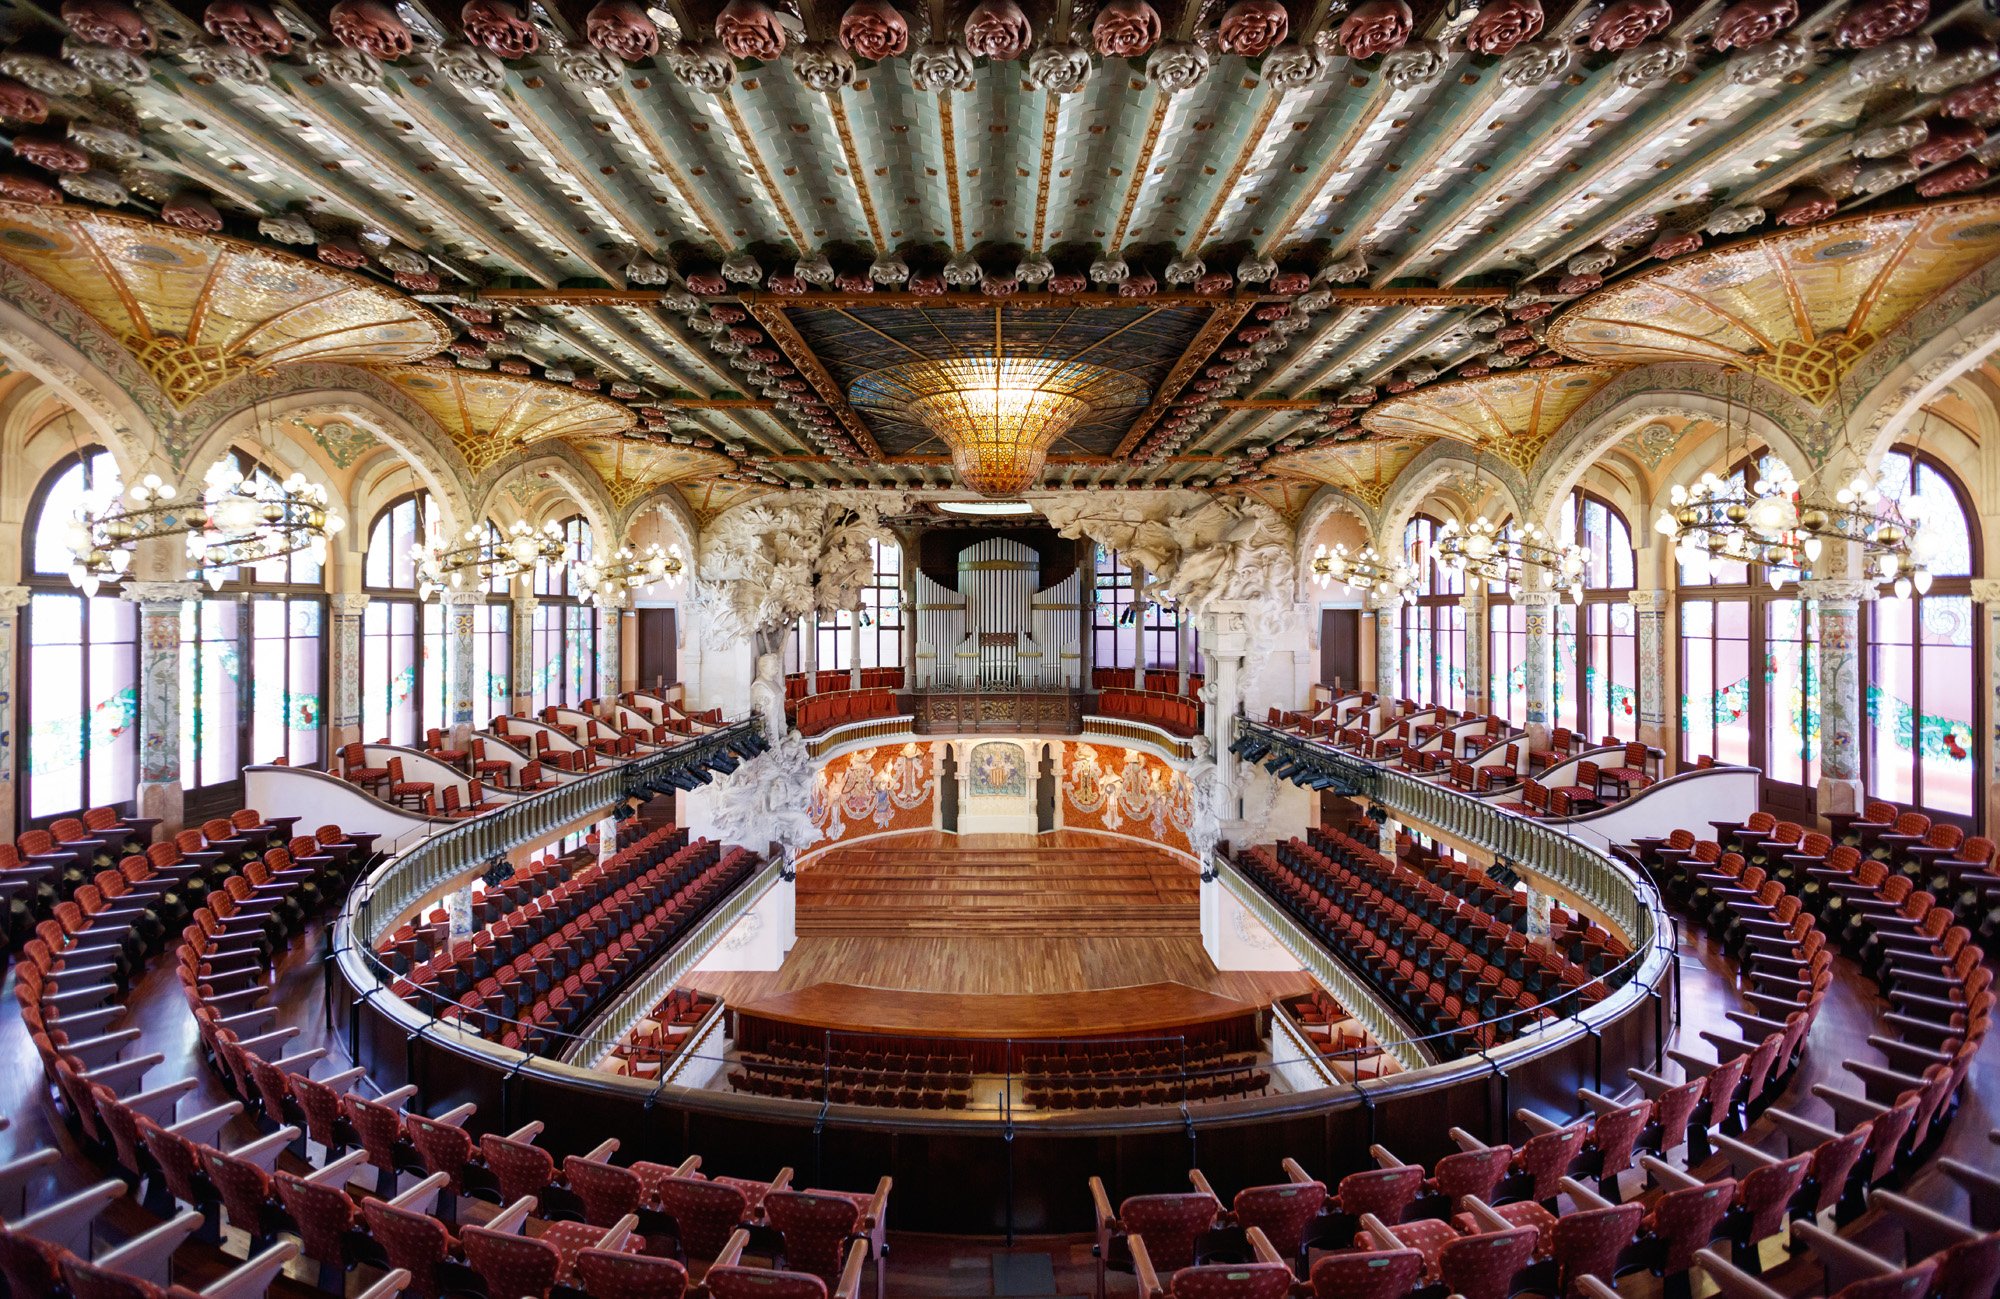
column 1837, row 590
column 12, row 598
column 1650, row 601
column 458, row 597
column 1383, row 600
column 1539, row 599
column 1472, row 600
column 161, row 592
column 348, row 604
column 1985, row 590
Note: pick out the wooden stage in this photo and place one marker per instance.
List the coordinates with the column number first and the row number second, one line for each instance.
column 1106, row 1012
column 999, row 917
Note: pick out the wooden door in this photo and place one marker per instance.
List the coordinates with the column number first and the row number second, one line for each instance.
column 659, row 656
column 1340, row 647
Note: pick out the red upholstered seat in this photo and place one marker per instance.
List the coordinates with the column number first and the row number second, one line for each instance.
column 605, row 1274
column 1280, row 1211
column 510, row 1263
column 1170, row 1224
column 1232, row 1281
column 1483, row 1267
column 761, row 1283
column 1367, row 1274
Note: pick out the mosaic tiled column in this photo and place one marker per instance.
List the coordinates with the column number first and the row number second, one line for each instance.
column 1838, row 602
column 1538, row 613
column 160, row 603
column 1986, row 591
column 458, row 651
column 1652, row 608
column 524, row 652
column 344, row 668
column 12, row 600
column 610, row 649
column 1474, row 605
column 1388, row 645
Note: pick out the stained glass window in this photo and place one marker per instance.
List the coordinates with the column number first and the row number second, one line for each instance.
column 1434, row 627
column 1112, row 647
column 80, row 673
column 1596, row 647
column 1920, row 674
column 1507, row 661
column 402, row 643
column 1715, row 680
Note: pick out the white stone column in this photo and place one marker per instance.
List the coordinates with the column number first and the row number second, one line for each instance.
column 854, row 650
column 1388, row 645
column 1839, row 601
column 12, row 600
column 525, row 605
column 1138, row 629
column 1473, row 603
column 1653, row 609
column 1539, row 616
column 160, row 604
column 344, row 668
column 458, row 617
column 809, row 651
column 1182, row 650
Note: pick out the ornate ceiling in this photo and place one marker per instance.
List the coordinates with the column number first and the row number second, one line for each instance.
column 1319, row 235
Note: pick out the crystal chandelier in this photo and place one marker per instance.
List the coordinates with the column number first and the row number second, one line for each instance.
column 1770, row 518
column 1481, row 552
column 606, row 583
column 1364, row 572
column 482, row 557
column 238, row 521
column 998, row 414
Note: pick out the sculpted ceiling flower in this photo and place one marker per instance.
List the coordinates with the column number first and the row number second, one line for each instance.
column 191, row 212
column 499, row 26
column 889, row 269
column 1674, row 243
column 1881, row 177
column 749, row 29
column 1534, row 64
column 108, row 63
column 109, row 22
column 874, row 29
column 1734, row 220
column 1502, row 25
column 110, row 141
column 1654, row 64
column 1806, row 206
column 1890, row 62
column 1960, row 176
column 1109, row 270
column 20, row 187
column 50, row 152
column 1125, row 29
column 1185, row 270
column 825, row 67
column 95, row 187
column 998, row 30
column 1375, row 27
column 1215, row 284
column 225, row 62
column 1628, row 24
column 621, row 29
column 1979, row 100
column 1417, row 64
column 701, row 65
column 1067, row 283
column 1948, row 140
column 41, row 73
column 1175, row 66
column 1251, row 28
column 372, row 27
column 1887, row 141
column 343, row 64
column 1871, row 22
column 469, row 65
column 1291, row 66
column 1580, row 283
column 1962, row 61
column 941, row 66
column 1752, row 22
column 248, row 26
column 1141, row 285
column 1059, row 69
column 963, row 271
column 1768, row 62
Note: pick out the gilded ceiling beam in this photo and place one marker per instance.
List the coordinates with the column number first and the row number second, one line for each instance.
column 769, row 313
column 1221, row 324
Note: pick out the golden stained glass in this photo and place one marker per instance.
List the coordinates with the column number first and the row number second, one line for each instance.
column 489, row 415
column 998, row 415
column 200, row 309
column 1797, row 306
column 1512, row 415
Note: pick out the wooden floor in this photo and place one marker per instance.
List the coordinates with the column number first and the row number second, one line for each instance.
column 1019, row 914
column 931, row 883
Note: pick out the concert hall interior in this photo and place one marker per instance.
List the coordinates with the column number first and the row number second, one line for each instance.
column 1193, row 649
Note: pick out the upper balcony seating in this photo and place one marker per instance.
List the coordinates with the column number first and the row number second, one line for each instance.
column 817, row 713
column 1179, row 714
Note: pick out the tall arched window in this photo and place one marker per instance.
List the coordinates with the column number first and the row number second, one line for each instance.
column 1920, row 676
column 881, row 634
column 1433, row 627
column 79, row 680
column 1112, row 643
column 1596, row 685
column 402, row 637
column 493, row 643
column 565, row 632
column 1507, row 650
column 1750, row 669
column 252, row 670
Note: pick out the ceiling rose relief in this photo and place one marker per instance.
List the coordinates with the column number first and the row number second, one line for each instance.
column 1799, row 307
column 198, row 309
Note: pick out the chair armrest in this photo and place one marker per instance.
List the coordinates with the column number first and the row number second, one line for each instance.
column 253, row 1278
column 149, row 1255
column 204, row 1128
column 1730, row 1281
column 1843, row 1261
column 849, row 1286
column 160, row 1103
column 422, row 1198
column 337, row 1172
column 1380, row 1235
column 68, row 1221
column 1801, row 1134
column 1666, row 1176
column 1584, row 1197
column 264, row 1151
column 1926, row 1230
column 125, row 1074
column 392, row 1284
column 1882, row 1085
column 1744, row 1159
column 514, row 1217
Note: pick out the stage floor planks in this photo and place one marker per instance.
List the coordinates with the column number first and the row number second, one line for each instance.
column 999, row 914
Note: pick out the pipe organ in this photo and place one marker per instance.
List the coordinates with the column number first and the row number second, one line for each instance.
column 996, row 631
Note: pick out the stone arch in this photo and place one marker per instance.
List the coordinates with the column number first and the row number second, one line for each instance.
column 561, row 465
column 1440, row 462
column 81, row 365
column 1647, row 394
column 667, row 502
column 1925, row 356
column 1323, row 505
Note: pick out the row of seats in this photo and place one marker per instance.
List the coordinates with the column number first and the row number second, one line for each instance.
column 42, row 867
column 1159, row 681
column 1113, row 1091
column 816, row 713
column 1180, row 714
column 849, row 1085
column 662, row 1034
column 290, row 1191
